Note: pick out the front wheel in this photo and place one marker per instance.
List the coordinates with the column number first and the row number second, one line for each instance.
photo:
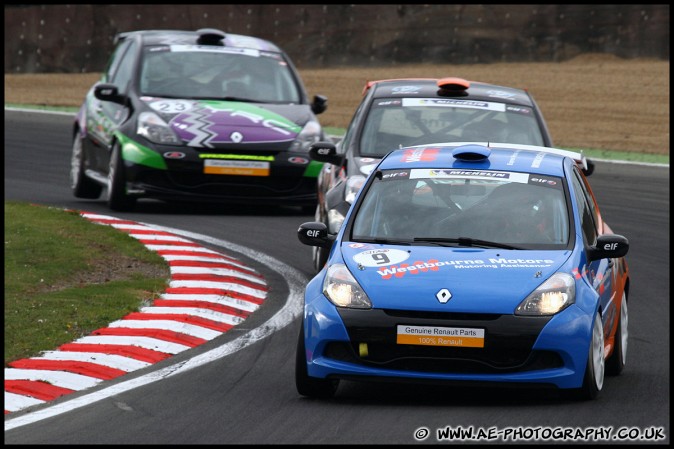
column 594, row 371
column 118, row 199
column 82, row 186
column 312, row 387
column 320, row 257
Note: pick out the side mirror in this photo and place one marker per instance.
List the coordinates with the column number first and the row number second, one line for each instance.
column 325, row 152
column 109, row 92
column 315, row 233
column 320, row 104
column 590, row 167
column 609, row 246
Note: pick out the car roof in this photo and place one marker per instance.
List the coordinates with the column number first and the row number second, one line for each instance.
column 483, row 156
column 208, row 36
column 429, row 87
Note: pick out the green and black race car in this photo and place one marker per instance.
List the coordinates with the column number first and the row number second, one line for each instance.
column 197, row 116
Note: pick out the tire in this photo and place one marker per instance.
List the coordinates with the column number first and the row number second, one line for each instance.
column 319, row 255
column 594, row 371
column 82, row 186
column 616, row 362
column 118, row 199
column 308, row 386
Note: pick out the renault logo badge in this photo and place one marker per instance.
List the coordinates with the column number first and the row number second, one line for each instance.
column 443, row 295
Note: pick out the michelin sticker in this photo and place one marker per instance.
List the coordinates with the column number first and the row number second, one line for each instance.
column 451, row 103
column 380, row 257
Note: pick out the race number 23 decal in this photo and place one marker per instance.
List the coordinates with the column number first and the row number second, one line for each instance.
column 171, row 106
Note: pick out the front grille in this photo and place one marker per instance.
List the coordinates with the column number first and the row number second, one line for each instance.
column 444, row 360
column 441, row 315
column 214, row 187
column 507, row 347
column 224, row 184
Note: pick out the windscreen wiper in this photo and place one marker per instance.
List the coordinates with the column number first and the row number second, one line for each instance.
column 464, row 241
column 242, row 99
column 386, row 241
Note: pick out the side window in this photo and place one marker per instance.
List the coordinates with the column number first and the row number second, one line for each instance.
column 590, row 200
column 115, row 60
column 585, row 208
column 124, row 72
column 351, row 130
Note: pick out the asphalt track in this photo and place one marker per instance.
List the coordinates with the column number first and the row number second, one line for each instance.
column 238, row 388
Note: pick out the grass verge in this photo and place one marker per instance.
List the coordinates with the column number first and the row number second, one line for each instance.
column 66, row 277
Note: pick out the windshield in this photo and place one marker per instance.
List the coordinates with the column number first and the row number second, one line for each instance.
column 190, row 71
column 393, row 123
column 440, row 206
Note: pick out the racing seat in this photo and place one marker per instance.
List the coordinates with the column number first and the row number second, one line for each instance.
column 512, row 213
column 239, row 89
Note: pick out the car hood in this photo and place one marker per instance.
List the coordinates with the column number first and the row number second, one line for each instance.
column 209, row 122
column 477, row 280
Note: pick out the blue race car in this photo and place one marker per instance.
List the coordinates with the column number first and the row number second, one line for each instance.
column 405, row 112
column 468, row 263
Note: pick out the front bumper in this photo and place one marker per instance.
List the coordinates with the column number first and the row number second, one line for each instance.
column 517, row 350
column 286, row 178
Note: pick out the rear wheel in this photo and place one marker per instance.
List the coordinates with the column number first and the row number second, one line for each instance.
column 118, row 199
column 616, row 362
column 312, row 387
column 82, row 186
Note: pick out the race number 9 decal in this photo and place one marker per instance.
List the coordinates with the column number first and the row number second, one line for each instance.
column 380, row 257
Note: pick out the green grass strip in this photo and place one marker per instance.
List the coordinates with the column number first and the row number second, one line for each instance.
column 66, row 277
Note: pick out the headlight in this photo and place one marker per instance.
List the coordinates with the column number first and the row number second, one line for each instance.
column 156, row 130
column 342, row 289
column 311, row 133
column 353, row 186
column 552, row 296
column 335, row 220
column 335, row 217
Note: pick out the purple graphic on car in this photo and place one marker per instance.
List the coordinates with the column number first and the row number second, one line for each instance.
column 216, row 122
